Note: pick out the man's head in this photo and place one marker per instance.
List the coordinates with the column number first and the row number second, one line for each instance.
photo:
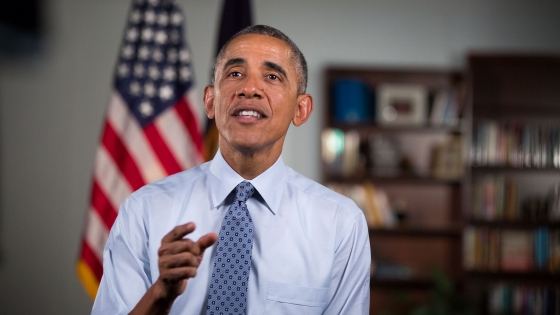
column 257, row 94
column 298, row 59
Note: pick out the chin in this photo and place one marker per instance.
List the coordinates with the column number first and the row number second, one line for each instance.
column 246, row 147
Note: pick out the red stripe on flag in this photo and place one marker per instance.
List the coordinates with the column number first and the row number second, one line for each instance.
column 122, row 158
column 183, row 109
column 92, row 261
column 161, row 149
column 101, row 203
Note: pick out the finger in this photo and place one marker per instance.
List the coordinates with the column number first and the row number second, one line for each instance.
column 206, row 241
column 172, row 276
column 178, row 260
column 178, row 232
column 178, row 246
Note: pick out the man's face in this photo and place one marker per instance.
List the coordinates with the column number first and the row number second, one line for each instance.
column 255, row 94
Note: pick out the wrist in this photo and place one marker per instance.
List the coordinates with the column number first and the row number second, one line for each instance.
column 156, row 301
column 161, row 295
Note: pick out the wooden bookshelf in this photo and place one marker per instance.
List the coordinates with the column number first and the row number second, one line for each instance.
column 514, row 104
column 430, row 236
column 501, row 88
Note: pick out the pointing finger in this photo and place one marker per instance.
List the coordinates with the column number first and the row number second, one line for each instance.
column 207, row 240
column 178, row 232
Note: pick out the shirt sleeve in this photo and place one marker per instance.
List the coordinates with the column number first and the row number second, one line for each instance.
column 350, row 284
column 126, row 272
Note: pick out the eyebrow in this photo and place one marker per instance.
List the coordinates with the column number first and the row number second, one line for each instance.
column 234, row 61
column 275, row 67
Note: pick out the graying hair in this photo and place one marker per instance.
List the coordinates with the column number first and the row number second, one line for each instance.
column 297, row 57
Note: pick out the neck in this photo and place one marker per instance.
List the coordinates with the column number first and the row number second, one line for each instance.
column 249, row 163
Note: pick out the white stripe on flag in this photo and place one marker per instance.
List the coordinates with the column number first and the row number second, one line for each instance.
column 110, row 178
column 96, row 234
column 196, row 108
column 177, row 137
column 132, row 136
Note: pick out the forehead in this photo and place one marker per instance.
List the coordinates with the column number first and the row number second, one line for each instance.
column 258, row 48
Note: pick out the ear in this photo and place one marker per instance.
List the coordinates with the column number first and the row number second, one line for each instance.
column 303, row 110
column 209, row 101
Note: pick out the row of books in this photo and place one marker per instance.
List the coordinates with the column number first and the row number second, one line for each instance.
column 488, row 249
column 373, row 201
column 521, row 300
column 515, row 144
column 496, row 199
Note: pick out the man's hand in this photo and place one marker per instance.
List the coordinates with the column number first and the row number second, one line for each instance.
column 178, row 261
column 179, row 258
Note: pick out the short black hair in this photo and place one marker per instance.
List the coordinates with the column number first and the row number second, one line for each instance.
column 297, row 57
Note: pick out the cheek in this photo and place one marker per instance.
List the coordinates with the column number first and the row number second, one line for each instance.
column 285, row 107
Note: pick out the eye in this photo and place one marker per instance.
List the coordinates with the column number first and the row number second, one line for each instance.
column 272, row 77
column 235, row 74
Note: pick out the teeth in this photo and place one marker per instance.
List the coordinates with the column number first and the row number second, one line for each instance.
column 249, row 113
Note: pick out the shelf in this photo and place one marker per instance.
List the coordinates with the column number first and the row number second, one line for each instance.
column 377, row 283
column 522, row 225
column 366, row 128
column 513, row 111
column 414, row 180
column 530, row 276
column 416, row 232
column 480, row 168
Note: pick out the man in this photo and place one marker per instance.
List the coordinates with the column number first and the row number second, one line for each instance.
column 298, row 248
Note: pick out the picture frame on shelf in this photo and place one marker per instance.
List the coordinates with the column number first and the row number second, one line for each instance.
column 402, row 105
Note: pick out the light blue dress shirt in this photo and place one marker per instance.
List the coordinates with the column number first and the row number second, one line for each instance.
column 311, row 252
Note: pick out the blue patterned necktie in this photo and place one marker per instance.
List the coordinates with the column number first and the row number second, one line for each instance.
column 232, row 263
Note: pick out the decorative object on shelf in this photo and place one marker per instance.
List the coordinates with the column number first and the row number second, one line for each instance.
column 399, row 209
column 351, row 154
column 340, row 152
column 446, row 108
column 386, row 156
column 400, row 104
column 448, row 159
column 352, row 101
column 332, row 146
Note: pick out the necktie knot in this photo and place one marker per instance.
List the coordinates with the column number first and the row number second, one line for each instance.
column 244, row 191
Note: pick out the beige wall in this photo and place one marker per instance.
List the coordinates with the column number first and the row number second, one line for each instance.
column 51, row 106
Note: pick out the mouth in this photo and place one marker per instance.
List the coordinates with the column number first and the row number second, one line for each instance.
column 249, row 113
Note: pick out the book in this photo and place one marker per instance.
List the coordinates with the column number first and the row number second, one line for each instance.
column 516, row 254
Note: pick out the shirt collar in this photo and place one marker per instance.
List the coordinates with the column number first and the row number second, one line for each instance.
column 268, row 184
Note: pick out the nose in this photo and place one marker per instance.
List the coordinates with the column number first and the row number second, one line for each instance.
column 250, row 87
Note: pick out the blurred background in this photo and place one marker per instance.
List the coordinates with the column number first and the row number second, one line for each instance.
column 55, row 85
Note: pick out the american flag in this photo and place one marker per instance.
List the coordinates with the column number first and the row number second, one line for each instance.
column 151, row 130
